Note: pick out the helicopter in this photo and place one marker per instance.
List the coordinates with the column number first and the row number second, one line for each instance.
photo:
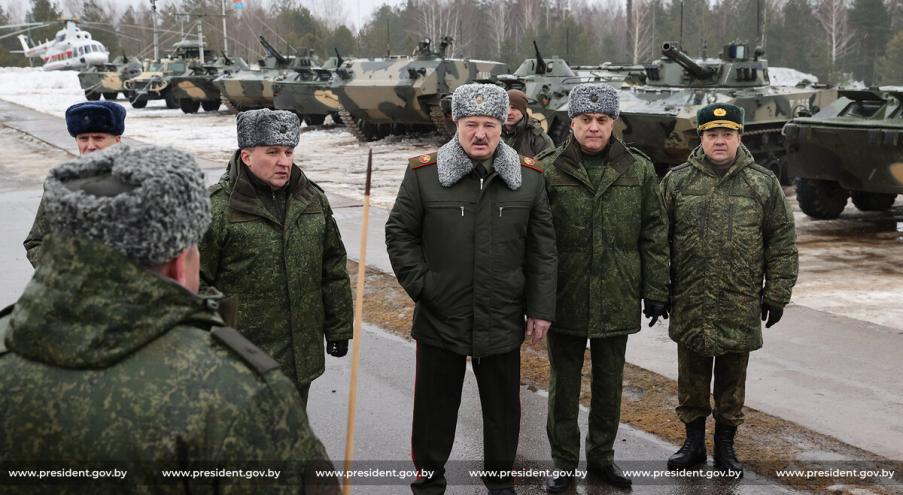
column 71, row 49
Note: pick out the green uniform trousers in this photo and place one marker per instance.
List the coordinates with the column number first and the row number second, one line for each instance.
column 566, row 360
column 694, row 379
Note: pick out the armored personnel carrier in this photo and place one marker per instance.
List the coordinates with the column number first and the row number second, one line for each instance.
column 852, row 148
column 306, row 91
column 253, row 88
column 154, row 81
column 393, row 95
column 195, row 88
column 547, row 84
column 659, row 116
column 107, row 79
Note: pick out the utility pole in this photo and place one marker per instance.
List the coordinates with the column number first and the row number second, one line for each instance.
column 225, row 36
column 201, row 38
column 154, row 20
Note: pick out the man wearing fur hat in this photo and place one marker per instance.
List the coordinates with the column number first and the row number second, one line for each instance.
column 733, row 260
column 521, row 132
column 275, row 246
column 471, row 240
column 613, row 255
column 95, row 125
column 110, row 354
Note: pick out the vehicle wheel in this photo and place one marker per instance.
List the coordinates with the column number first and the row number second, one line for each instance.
column 821, row 199
column 211, row 105
column 189, row 106
column 110, row 96
column 138, row 101
column 867, row 201
column 314, row 119
column 92, row 96
column 171, row 100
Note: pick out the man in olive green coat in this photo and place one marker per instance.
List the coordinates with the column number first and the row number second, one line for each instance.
column 471, row 241
column 613, row 252
column 275, row 247
column 733, row 260
column 111, row 360
column 521, row 132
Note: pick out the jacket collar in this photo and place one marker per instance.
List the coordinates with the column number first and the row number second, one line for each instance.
column 453, row 164
column 744, row 159
column 570, row 161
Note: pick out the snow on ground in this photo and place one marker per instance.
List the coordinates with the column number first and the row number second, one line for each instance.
column 852, row 266
column 784, row 76
column 331, row 157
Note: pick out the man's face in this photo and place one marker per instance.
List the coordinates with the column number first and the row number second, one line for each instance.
column 720, row 145
column 271, row 164
column 514, row 116
column 592, row 131
column 479, row 136
column 90, row 142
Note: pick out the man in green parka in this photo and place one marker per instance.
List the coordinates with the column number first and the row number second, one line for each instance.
column 110, row 359
column 275, row 247
column 733, row 260
column 613, row 253
column 471, row 241
column 520, row 131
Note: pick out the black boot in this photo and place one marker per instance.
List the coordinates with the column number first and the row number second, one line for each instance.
column 724, row 455
column 692, row 452
column 558, row 484
column 612, row 475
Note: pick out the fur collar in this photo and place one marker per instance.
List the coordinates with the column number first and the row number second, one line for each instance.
column 454, row 164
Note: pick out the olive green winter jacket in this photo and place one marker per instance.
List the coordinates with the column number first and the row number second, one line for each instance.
column 732, row 246
column 104, row 364
column 289, row 276
column 527, row 138
column 612, row 240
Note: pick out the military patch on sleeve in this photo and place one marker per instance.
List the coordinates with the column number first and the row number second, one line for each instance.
column 255, row 358
column 530, row 163
column 422, row 160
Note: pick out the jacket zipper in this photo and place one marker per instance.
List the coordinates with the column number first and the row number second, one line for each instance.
column 500, row 211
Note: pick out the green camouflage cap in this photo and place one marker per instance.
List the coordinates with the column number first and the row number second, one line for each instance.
column 719, row 115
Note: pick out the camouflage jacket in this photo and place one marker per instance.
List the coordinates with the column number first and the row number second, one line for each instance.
column 728, row 235
column 612, row 240
column 476, row 255
column 36, row 235
column 527, row 138
column 289, row 278
column 104, row 361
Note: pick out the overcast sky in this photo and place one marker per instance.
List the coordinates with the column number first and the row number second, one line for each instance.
column 358, row 10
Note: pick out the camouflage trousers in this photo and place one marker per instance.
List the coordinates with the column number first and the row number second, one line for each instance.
column 566, row 360
column 694, row 386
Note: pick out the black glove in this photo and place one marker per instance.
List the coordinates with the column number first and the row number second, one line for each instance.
column 771, row 313
column 337, row 348
column 654, row 309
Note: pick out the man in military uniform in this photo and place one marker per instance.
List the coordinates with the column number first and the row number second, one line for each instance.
column 522, row 133
column 471, row 240
column 733, row 260
column 613, row 252
column 111, row 356
column 275, row 247
column 95, row 125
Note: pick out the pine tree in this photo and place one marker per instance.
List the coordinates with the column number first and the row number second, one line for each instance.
column 870, row 21
column 890, row 65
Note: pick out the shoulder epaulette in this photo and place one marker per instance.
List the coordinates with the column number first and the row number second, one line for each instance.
column 531, row 163
column 215, row 188
column 764, row 170
column 680, row 167
column 255, row 358
column 637, row 151
column 546, row 153
column 422, row 160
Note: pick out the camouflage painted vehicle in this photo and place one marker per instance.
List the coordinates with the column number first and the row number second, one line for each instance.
column 853, row 148
column 195, row 88
column 547, row 84
column 392, row 95
column 107, row 79
column 253, row 88
column 306, row 91
column 154, row 81
column 659, row 116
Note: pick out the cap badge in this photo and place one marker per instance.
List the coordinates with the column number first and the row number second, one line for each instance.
column 479, row 99
column 719, row 112
column 594, row 98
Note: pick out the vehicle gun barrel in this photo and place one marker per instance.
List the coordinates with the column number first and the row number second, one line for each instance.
column 672, row 51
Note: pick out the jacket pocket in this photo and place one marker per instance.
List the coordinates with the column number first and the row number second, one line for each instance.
column 510, row 233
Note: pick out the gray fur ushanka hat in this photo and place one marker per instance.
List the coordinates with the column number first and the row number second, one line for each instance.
column 593, row 98
column 486, row 100
column 149, row 203
column 267, row 127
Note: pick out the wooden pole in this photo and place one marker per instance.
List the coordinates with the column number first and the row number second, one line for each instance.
column 358, row 316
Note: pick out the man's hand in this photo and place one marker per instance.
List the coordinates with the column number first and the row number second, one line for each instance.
column 771, row 314
column 537, row 329
column 654, row 309
column 337, row 348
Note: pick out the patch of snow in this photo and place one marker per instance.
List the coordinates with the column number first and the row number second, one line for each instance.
column 787, row 77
